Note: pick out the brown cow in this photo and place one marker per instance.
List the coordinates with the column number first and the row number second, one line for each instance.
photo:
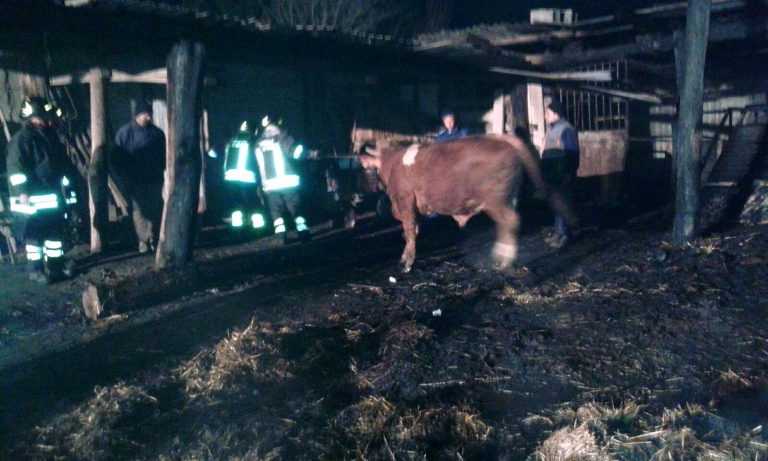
column 460, row 178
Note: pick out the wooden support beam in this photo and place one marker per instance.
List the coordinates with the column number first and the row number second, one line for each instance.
column 97, row 167
column 4, row 121
column 183, row 160
column 155, row 76
column 687, row 142
column 519, row 111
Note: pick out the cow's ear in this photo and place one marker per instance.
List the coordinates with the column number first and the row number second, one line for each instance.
column 369, row 161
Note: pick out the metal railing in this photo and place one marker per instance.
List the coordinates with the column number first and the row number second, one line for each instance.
column 732, row 118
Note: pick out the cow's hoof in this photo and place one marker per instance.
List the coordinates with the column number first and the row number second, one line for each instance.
column 405, row 268
column 504, row 255
column 501, row 266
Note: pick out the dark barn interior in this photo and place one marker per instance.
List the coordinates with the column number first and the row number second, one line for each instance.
column 643, row 336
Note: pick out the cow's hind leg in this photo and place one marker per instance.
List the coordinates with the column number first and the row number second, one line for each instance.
column 410, row 231
column 507, row 226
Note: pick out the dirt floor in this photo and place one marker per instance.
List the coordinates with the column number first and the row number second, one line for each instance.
column 617, row 347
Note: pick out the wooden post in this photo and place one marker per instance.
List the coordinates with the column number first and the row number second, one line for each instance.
column 519, row 112
column 688, row 134
column 497, row 113
column 183, row 159
column 97, row 167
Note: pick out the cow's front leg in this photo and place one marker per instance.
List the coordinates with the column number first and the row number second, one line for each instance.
column 410, row 231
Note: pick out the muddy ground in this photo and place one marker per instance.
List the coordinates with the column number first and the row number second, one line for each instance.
column 617, row 347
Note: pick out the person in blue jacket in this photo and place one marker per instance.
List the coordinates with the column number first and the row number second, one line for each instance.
column 559, row 164
column 450, row 130
column 138, row 163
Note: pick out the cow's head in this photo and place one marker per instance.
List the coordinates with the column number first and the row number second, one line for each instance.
column 371, row 159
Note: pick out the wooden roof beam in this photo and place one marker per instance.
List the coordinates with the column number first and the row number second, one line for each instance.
column 682, row 7
column 524, row 39
column 154, row 76
column 590, row 76
column 626, row 94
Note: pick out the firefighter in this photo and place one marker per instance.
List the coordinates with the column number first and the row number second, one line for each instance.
column 276, row 154
column 241, row 181
column 39, row 188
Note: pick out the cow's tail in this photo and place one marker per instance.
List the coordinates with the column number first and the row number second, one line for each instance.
column 532, row 166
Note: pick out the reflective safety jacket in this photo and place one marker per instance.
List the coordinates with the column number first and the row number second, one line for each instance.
column 276, row 169
column 240, row 161
column 37, row 165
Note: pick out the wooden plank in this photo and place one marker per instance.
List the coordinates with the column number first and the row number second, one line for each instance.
column 602, row 152
column 634, row 95
column 155, row 76
column 524, row 39
column 591, row 76
column 139, row 291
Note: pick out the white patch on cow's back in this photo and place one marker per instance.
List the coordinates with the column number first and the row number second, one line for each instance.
column 410, row 155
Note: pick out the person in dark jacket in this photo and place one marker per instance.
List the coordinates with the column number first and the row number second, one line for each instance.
column 138, row 165
column 559, row 163
column 37, row 167
column 450, row 130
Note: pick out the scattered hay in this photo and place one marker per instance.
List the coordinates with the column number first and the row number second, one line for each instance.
column 108, row 425
column 520, row 296
column 374, row 430
column 405, row 336
column 243, row 355
column 582, row 439
column 228, row 442
column 604, row 419
column 572, row 444
column 456, row 425
column 366, row 420
column 731, row 384
column 685, row 433
column 509, row 292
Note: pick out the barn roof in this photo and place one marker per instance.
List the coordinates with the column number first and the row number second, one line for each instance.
column 47, row 37
column 526, row 42
column 644, row 36
column 179, row 12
